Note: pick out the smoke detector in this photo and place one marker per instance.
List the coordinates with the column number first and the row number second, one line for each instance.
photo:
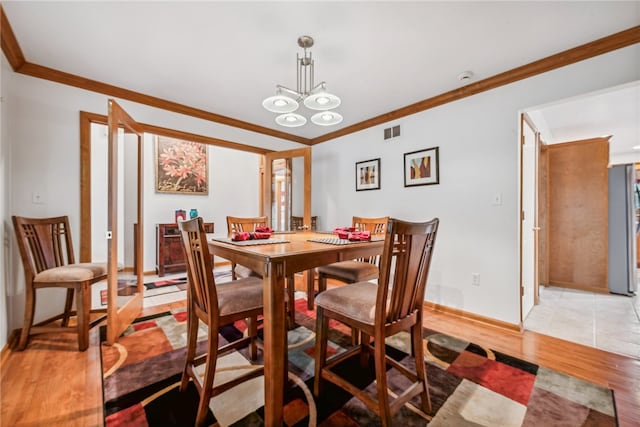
column 465, row 76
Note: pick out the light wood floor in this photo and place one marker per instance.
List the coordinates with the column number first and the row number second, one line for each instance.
column 52, row 384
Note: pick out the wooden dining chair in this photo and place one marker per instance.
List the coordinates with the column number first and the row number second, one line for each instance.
column 216, row 306
column 379, row 311
column 236, row 224
column 46, row 249
column 351, row 271
column 297, row 223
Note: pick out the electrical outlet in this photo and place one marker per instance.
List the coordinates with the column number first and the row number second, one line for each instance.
column 475, row 279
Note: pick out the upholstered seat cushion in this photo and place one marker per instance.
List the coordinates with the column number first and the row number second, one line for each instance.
column 239, row 295
column 351, row 271
column 242, row 272
column 72, row 273
column 357, row 301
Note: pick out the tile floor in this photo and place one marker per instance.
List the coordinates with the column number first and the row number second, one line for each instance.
column 605, row 321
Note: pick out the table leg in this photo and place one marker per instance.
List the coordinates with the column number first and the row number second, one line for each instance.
column 275, row 348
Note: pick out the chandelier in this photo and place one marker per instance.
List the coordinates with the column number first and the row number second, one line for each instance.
column 314, row 97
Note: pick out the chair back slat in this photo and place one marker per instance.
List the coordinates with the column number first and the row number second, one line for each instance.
column 237, row 224
column 404, row 268
column 376, row 226
column 199, row 266
column 44, row 243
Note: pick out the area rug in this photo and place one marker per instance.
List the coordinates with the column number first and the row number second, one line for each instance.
column 163, row 286
column 470, row 385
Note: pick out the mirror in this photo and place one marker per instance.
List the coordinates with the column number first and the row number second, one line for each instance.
column 287, row 185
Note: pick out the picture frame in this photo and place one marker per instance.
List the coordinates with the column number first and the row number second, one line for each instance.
column 368, row 175
column 181, row 167
column 422, row 167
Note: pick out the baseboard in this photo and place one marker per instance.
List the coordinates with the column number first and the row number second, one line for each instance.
column 12, row 342
column 559, row 284
column 472, row 316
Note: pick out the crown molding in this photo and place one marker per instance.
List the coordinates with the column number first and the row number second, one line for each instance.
column 601, row 46
column 14, row 55
column 9, row 44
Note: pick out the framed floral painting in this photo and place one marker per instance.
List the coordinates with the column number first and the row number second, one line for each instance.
column 421, row 167
column 181, row 167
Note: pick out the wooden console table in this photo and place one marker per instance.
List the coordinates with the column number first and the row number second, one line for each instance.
column 169, row 251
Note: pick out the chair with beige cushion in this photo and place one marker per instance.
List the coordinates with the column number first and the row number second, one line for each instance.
column 236, row 224
column 379, row 311
column 351, row 271
column 216, row 306
column 46, row 250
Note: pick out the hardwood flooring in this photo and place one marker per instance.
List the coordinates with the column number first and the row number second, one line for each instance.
column 52, row 384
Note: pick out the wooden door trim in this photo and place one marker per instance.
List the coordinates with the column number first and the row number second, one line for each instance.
column 305, row 153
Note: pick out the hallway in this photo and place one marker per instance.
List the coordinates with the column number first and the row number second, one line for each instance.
column 605, row 321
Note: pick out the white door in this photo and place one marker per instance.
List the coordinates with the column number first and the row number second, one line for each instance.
column 529, row 227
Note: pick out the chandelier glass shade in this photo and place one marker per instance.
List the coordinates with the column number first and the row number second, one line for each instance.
column 314, row 97
column 291, row 120
column 280, row 104
column 326, row 118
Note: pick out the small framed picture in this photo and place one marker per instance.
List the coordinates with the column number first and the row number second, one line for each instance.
column 421, row 167
column 368, row 175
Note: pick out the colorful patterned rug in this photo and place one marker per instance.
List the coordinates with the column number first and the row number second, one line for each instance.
column 470, row 385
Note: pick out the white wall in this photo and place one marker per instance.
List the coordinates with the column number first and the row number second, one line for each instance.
column 41, row 128
column 478, row 140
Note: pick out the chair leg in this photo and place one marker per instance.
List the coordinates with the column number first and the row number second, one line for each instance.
column 83, row 308
column 311, row 288
column 322, row 326
column 355, row 336
column 67, row 307
column 207, row 381
column 379, row 352
column 364, row 349
column 322, row 286
column 192, row 340
column 29, row 310
column 233, row 271
column 252, row 330
column 421, row 371
column 291, row 294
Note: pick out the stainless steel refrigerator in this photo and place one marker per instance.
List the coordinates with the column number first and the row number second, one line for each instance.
column 623, row 200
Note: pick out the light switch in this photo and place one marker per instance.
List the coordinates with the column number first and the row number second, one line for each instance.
column 36, row 198
column 497, row 199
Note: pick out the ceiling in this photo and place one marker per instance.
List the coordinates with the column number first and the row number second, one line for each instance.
column 615, row 112
column 226, row 57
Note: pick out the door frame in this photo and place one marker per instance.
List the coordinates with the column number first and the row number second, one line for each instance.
column 305, row 153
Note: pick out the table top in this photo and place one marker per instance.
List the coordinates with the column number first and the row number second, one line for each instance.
column 292, row 244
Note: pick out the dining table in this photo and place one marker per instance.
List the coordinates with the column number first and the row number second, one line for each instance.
column 279, row 257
